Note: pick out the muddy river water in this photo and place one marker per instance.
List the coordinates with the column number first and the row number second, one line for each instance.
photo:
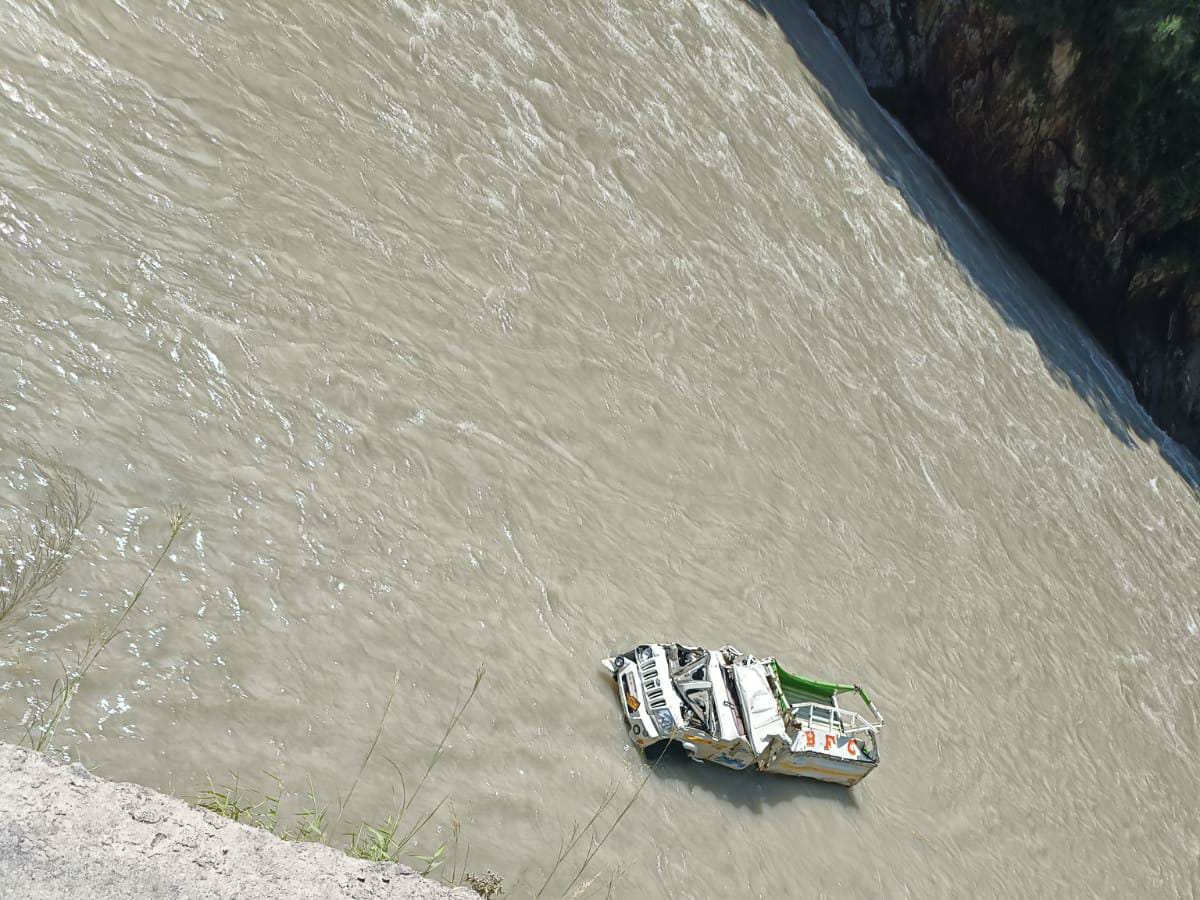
column 516, row 334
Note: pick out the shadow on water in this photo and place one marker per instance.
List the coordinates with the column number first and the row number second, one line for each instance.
column 747, row 789
column 1069, row 352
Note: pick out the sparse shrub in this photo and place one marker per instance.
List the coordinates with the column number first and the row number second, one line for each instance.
column 487, row 885
column 1139, row 70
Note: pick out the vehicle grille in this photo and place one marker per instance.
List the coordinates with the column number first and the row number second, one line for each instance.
column 651, row 683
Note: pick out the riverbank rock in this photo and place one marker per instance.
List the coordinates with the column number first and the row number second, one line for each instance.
column 1011, row 117
column 66, row 833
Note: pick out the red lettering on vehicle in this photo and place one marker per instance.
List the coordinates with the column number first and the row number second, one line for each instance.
column 852, row 747
column 829, row 740
column 810, row 739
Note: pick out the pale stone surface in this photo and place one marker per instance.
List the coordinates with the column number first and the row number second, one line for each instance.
column 66, row 833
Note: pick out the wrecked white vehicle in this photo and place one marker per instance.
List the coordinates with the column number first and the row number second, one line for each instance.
column 731, row 708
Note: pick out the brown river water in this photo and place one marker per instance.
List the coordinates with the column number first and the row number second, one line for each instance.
column 516, row 333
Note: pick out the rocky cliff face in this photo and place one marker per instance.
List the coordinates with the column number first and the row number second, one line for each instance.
column 1008, row 117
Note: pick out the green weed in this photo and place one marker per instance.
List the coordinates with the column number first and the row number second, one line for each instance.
column 387, row 841
column 233, row 802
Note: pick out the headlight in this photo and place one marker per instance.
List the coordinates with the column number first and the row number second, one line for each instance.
column 665, row 721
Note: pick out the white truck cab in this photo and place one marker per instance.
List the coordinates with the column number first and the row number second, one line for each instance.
column 736, row 710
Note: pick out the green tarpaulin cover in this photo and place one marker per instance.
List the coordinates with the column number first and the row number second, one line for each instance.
column 807, row 690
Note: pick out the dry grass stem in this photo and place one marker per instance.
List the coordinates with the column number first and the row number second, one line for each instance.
column 40, row 542
column 44, row 721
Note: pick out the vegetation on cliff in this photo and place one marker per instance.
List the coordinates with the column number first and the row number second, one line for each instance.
column 1139, row 73
column 1074, row 125
column 1132, row 100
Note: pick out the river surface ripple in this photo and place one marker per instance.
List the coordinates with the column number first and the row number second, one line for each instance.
column 517, row 333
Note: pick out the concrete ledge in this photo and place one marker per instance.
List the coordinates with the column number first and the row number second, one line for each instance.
column 66, row 833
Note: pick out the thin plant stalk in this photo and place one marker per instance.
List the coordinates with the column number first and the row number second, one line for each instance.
column 595, row 846
column 66, row 687
column 381, row 842
column 577, row 834
column 441, row 747
column 420, row 823
column 456, row 830
column 370, row 750
column 407, row 800
column 39, row 545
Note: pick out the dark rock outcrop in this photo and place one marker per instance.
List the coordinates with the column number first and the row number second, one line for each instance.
column 1009, row 116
